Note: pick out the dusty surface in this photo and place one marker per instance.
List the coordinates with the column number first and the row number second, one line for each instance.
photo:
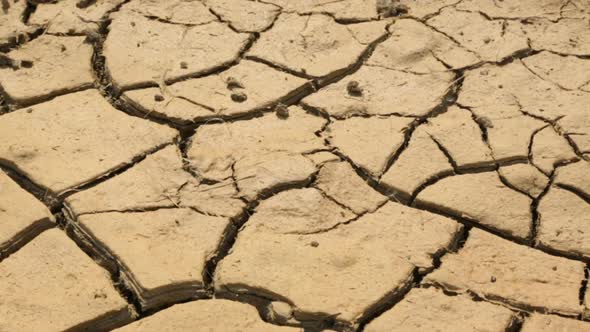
column 317, row 165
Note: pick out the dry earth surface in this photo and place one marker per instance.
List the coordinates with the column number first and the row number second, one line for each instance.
column 282, row 165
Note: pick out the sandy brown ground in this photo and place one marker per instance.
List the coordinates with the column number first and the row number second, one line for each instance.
column 294, row 165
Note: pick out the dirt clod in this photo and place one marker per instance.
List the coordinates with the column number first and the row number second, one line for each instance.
column 239, row 97
column 282, row 111
column 390, row 8
column 233, row 83
column 354, row 89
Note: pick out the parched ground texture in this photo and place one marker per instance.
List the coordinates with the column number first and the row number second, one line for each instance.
column 310, row 165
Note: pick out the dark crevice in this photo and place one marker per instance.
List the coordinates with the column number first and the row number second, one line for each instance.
column 27, row 235
column 530, row 148
column 397, row 296
column 516, row 322
column 536, row 216
column 46, row 196
column 85, row 244
column 47, row 97
column 584, row 286
column 280, row 68
column 29, row 10
column 20, row 39
column 447, row 100
column 456, row 215
column 429, row 182
column 353, row 68
column 446, row 153
column 576, row 191
column 511, row 186
column 113, row 173
column 416, row 281
column 104, row 81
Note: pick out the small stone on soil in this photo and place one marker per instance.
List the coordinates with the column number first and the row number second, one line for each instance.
column 158, row 98
column 233, row 83
column 354, row 89
column 389, row 8
column 239, row 97
column 282, row 111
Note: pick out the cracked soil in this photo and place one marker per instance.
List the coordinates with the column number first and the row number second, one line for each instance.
column 282, row 165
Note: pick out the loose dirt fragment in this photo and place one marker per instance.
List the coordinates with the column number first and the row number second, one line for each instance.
column 546, row 35
column 504, row 272
column 415, row 47
column 384, row 91
column 569, row 72
column 345, row 10
column 431, row 310
column 457, row 132
column 339, row 181
column 210, row 97
column 244, row 15
column 550, row 149
column 51, row 285
column 207, row 315
column 22, row 216
column 490, row 40
column 261, row 174
column 553, row 323
column 215, row 148
column 315, row 45
column 139, row 51
column 365, row 262
column 159, row 181
column 185, row 12
column 161, row 254
column 420, row 162
column 481, row 198
column 525, row 177
column 514, row 9
column 74, row 139
column 65, row 16
column 564, row 223
column 368, row 142
column 12, row 27
column 54, row 70
column 575, row 177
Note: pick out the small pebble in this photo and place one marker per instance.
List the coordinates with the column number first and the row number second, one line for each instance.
column 314, row 244
column 282, row 111
column 493, row 279
column 158, row 98
column 486, row 122
column 26, row 63
column 183, row 65
column 239, row 97
column 354, row 89
column 233, row 83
